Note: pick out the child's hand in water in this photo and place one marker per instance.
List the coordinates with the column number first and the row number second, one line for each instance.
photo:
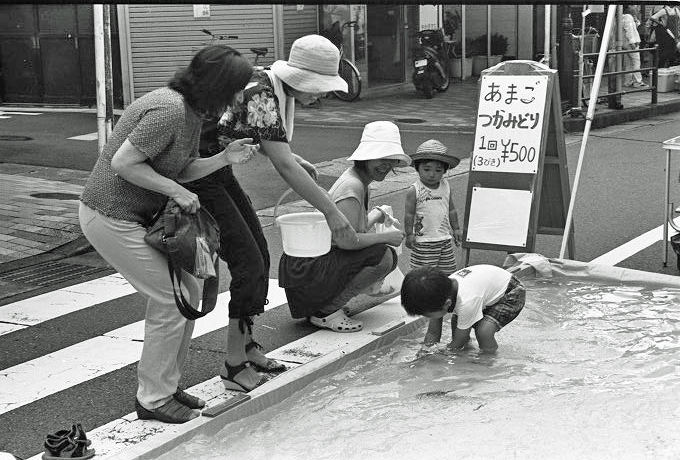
column 427, row 348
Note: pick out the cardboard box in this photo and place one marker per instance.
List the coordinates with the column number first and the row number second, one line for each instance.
column 667, row 79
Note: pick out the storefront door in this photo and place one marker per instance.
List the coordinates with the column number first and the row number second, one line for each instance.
column 385, row 45
column 47, row 54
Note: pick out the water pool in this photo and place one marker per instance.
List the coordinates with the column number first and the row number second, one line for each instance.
column 587, row 371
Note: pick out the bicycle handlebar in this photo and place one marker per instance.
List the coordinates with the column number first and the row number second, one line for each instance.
column 219, row 37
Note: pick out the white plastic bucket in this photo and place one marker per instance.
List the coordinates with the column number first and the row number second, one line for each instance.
column 304, row 234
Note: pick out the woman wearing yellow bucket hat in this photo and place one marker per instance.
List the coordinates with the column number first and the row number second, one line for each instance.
column 265, row 113
column 320, row 287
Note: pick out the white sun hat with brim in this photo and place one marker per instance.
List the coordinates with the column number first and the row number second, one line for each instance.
column 434, row 150
column 312, row 66
column 381, row 140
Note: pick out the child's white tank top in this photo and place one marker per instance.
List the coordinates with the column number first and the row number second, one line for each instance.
column 431, row 221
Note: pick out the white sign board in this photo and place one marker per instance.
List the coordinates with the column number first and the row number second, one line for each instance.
column 510, row 123
column 201, row 11
column 499, row 216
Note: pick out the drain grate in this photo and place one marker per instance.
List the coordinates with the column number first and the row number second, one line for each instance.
column 49, row 273
column 6, row 137
column 410, row 120
column 56, row 196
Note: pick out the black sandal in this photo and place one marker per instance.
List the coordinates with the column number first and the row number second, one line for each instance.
column 232, row 372
column 68, row 444
column 271, row 365
column 171, row 412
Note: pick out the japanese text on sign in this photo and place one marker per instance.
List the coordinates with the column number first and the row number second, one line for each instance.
column 510, row 123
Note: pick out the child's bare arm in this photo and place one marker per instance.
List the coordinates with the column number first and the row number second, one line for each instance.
column 409, row 216
column 434, row 331
column 453, row 219
column 460, row 338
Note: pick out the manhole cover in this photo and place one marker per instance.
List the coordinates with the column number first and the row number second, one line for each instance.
column 410, row 120
column 5, row 137
column 49, row 273
column 56, row 196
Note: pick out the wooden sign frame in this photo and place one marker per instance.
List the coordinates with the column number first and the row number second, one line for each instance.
column 500, row 219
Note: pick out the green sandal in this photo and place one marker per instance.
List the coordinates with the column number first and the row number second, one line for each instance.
column 171, row 412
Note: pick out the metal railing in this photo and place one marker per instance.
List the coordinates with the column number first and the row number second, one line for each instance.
column 652, row 88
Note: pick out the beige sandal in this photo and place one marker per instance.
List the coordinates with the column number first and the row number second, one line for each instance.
column 338, row 322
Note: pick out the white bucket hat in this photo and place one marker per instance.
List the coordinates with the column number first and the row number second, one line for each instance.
column 312, row 66
column 381, row 140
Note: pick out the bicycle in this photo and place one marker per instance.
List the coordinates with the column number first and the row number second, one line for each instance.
column 258, row 52
column 346, row 69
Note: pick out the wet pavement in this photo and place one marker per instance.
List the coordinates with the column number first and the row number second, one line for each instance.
column 38, row 204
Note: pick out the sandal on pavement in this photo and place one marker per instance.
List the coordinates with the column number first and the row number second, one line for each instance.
column 171, row 412
column 338, row 322
column 191, row 401
column 68, row 444
column 232, row 372
column 270, row 365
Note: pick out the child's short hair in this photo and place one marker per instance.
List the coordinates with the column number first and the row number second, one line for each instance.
column 417, row 163
column 425, row 289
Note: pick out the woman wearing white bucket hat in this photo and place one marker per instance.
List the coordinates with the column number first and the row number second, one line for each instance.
column 265, row 113
column 319, row 288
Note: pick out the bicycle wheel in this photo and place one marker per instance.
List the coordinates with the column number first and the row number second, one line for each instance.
column 350, row 74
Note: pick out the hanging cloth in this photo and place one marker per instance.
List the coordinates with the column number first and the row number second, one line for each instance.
column 286, row 104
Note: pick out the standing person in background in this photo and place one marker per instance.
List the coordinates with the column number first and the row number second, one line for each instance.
column 153, row 148
column 265, row 113
column 664, row 25
column 631, row 41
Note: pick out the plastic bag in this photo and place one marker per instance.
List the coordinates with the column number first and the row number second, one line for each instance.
column 204, row 265
column 389, row 224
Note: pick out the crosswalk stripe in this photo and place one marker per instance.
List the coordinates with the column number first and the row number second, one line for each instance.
column 54, row 372
column 44, row 307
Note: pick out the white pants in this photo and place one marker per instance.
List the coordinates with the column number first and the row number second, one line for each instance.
column 631, row 62
column 167, row 334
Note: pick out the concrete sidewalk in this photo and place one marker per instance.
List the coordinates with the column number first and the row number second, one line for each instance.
column 38, row 205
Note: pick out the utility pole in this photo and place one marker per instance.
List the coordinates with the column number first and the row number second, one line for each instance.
column 566, row 71
column 104, row 73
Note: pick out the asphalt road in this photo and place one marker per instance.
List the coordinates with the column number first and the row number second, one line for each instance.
column 620, row 196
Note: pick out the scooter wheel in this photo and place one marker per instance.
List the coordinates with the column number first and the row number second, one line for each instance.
column 427, row 88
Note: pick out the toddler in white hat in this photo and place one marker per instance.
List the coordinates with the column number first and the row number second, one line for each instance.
column 430, row 217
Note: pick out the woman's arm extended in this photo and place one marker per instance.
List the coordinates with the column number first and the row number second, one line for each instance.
column 238, row 152
column 299, row 180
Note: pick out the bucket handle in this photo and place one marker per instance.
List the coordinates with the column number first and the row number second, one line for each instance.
column 278, row 203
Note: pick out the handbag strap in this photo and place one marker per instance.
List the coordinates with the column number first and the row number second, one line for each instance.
column 210, row 290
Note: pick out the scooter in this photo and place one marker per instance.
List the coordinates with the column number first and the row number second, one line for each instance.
column 429, row 63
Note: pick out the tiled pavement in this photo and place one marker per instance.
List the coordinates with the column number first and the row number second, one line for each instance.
column 38, row 205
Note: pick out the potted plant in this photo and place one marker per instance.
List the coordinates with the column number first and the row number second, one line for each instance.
column 451, row 22
column 499, row 46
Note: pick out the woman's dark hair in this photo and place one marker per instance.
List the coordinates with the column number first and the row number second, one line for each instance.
column 417, row 163
column 212, row 79
column 425, row 289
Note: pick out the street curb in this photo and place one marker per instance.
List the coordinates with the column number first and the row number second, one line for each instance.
column 71, row 249
column 621, row 116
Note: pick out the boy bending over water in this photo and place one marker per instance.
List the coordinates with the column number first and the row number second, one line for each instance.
column 483, row 297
